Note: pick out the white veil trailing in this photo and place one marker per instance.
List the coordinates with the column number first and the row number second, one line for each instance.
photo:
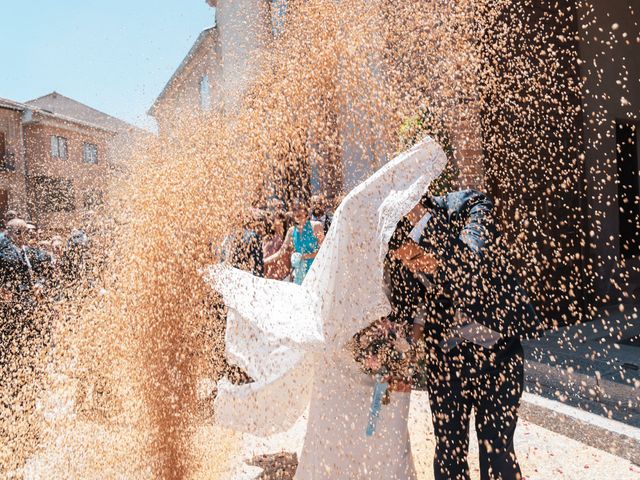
column 276, row 329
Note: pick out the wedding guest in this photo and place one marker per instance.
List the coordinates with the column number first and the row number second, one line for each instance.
column 15, row 271
column 56, row 250
column 320, row 212
column 32, row 235
column 275, row 232
column 302, row 242
column 75, row 265
column 275, row 204
column 8, row 216
column 243, row 250
column 41, row 260
column 17, row 295
column 278, row 269
column 57, row 245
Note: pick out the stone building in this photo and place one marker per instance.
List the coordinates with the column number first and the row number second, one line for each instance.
column 12, row 165
column 558, row 151
column 610, row 69
column 194, row 88
column 221, row 66
column 218, row 68
column 58, row 156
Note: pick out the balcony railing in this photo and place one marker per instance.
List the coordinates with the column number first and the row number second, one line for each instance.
column 8, row 162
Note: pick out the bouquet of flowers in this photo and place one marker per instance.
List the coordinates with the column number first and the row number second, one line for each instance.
column 384, row 350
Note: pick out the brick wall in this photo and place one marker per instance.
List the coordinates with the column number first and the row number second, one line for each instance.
column 12, row 184
column 88, row 180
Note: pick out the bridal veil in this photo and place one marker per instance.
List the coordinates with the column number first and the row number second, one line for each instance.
column 275, row 328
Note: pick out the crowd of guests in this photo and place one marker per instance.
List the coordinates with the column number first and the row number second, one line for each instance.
column 280, row 243
column 35, row 270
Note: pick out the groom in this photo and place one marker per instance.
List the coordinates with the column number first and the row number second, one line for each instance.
column 470, row 316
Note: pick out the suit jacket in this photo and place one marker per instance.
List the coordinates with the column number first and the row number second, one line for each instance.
column 328, row 218
column 247, row 254
column 475, row 267
column 14, row 270
column 474, row 276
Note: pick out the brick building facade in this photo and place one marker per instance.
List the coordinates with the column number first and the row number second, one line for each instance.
column 12, row 180
column 58, row 156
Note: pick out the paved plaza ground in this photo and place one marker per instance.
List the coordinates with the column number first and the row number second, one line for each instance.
column 544, row 455
column 87, row 450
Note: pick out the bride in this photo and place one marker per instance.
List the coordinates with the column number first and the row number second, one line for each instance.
column 293, row 340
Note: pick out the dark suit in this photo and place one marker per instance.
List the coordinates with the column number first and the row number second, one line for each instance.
column 328, row 218
column 15, row 315
column 15, row 275
column 474, row 276
column 325, row 220
column 247, row 253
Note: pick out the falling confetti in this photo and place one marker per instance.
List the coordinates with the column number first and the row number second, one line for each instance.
column 536, row 104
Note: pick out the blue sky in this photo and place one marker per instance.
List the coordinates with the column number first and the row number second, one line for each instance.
column 114, row 55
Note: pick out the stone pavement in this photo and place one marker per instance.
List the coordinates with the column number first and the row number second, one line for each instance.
column 574, row 445
column 543, row 454
column 594, row 365
column 581, row 415
column 88, row 450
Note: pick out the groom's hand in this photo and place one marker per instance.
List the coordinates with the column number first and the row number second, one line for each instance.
column 415, row 258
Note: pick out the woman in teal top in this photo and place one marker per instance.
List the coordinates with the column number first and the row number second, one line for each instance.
column 305, row 244
column 302, row 242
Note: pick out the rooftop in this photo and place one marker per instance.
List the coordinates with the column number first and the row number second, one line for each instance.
column 185, row 62
column 63, row 106
column 12, row 105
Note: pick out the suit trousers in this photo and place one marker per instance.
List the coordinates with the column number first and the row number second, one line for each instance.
column 494, row 395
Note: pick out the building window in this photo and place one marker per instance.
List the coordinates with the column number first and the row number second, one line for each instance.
column 628, row 187
column 205, row 93
column 90, row 153
column 278, row 15
column 54, row 194
column 58, row 147
column 7, row 160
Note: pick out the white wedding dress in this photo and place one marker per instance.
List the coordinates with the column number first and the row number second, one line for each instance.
column 292, row 339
